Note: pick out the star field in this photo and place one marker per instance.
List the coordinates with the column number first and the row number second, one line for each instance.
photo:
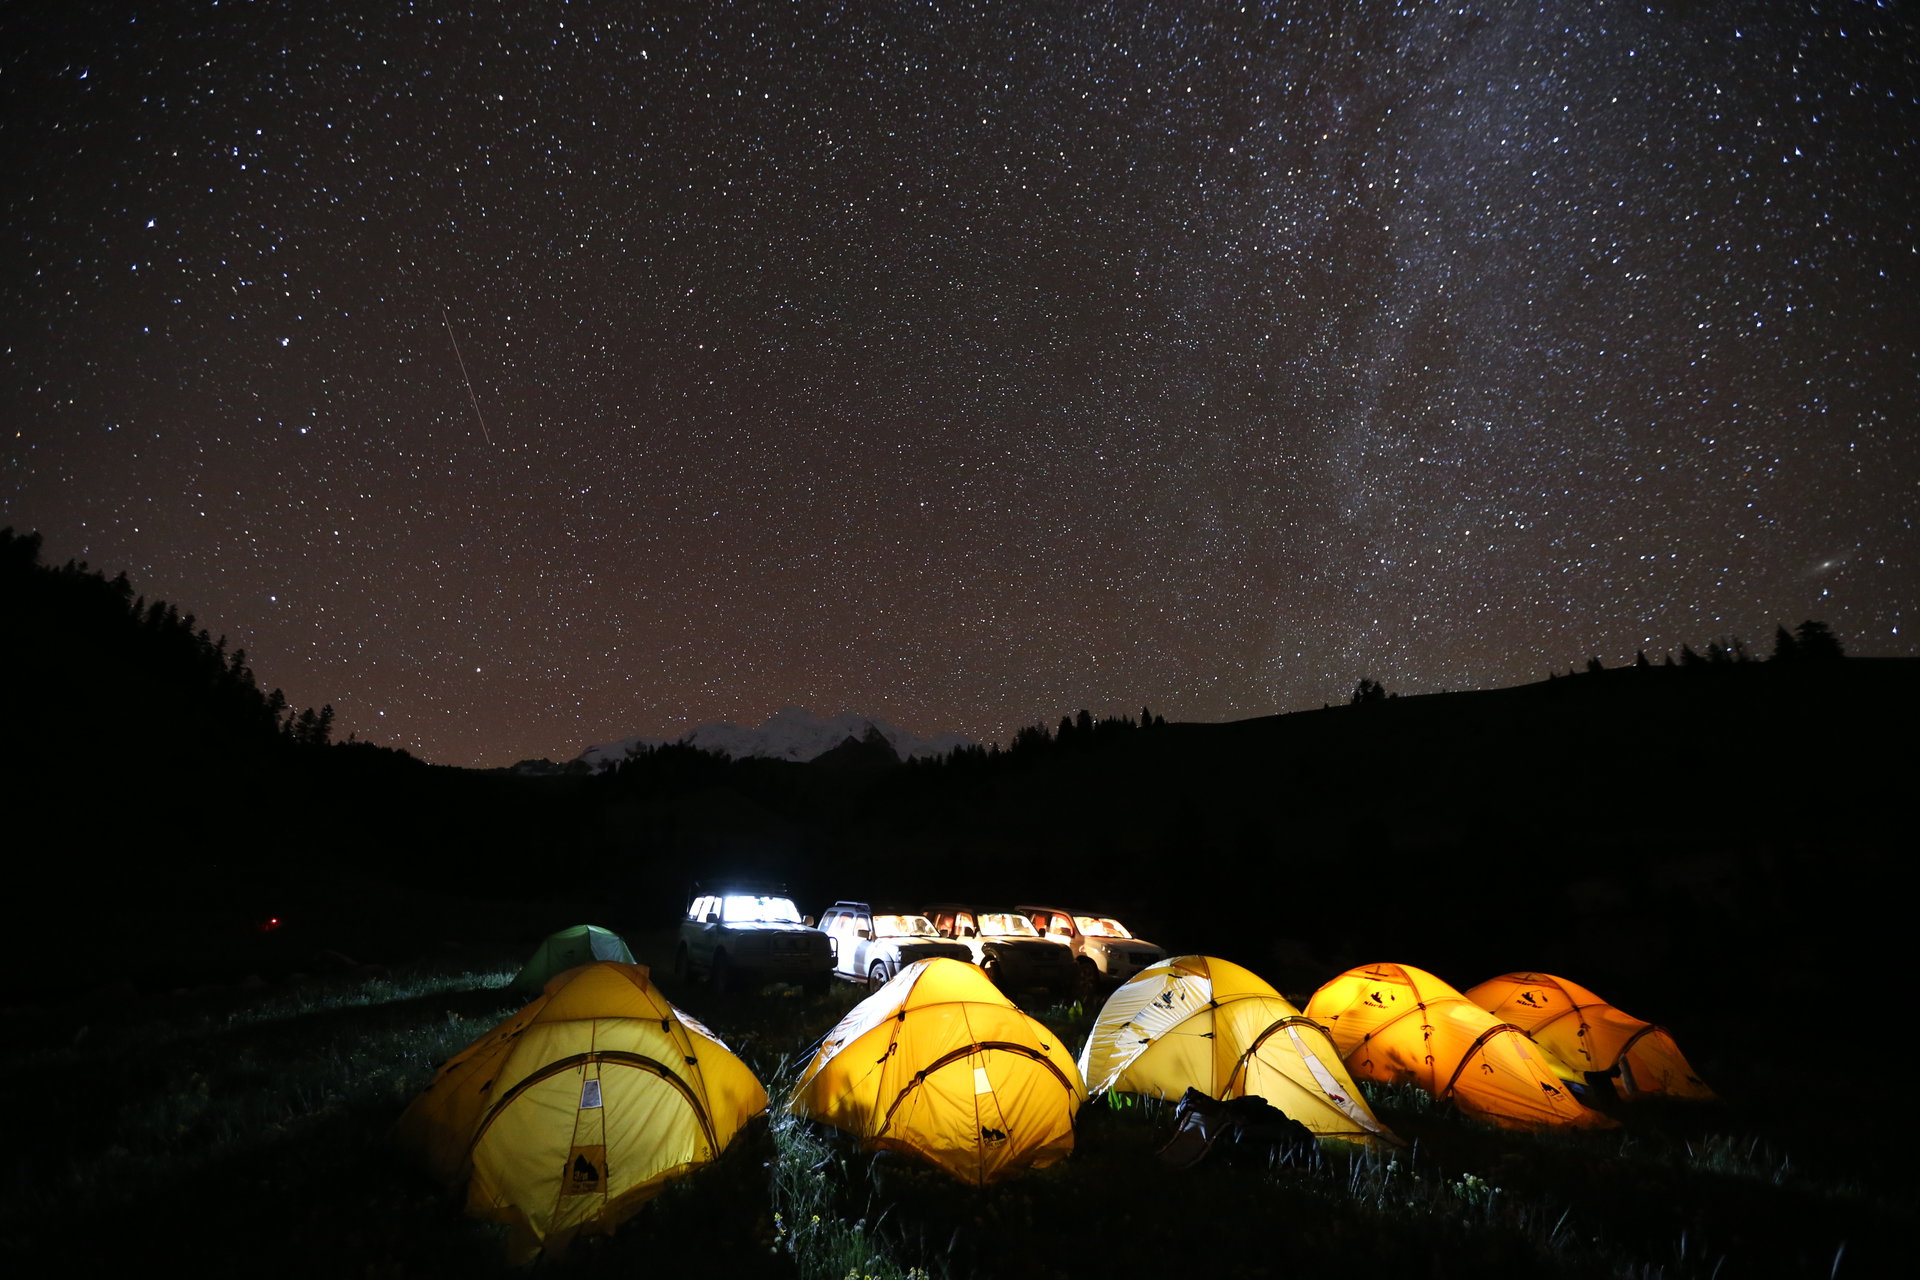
column 961, row 364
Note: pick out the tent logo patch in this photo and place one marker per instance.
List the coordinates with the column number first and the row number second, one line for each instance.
column 586, row 1172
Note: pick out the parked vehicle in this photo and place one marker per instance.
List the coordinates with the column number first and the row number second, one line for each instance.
column 871, row 946
column 746, row 937
column 1008, row 947
column 1106, row 953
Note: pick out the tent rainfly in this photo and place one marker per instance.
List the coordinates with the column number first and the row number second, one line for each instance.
column 1208, row 1024
column 1399, row 1025
column 573, row 1113
column 567, row 949
column 940, row 1065
column 1640, row 1059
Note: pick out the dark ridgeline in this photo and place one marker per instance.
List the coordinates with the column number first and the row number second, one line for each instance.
column 1631, row 826
column 170, row 800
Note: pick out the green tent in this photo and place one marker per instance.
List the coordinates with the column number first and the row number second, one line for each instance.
column 569, row 949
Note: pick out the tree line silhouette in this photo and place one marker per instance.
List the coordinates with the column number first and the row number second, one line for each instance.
column 1811, row 643
column 93, row 651
column 92, row 657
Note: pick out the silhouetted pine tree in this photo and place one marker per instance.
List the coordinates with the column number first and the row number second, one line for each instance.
column 1815, row 642
column 1030, row 743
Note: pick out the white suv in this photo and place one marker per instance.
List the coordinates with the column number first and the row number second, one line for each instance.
column 871, row 946
column 1008, row 947
column 1106, row 952
column 747, row 938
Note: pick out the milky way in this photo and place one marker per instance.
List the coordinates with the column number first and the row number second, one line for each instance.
column 963, row 365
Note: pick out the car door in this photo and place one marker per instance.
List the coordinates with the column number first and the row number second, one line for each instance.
column 700, row 934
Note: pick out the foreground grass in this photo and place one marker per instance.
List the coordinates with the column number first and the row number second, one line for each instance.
column 245, row 1131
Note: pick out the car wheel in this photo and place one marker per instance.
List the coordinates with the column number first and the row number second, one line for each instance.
column 1089, row 977
column 722, row 976
column 877, row 976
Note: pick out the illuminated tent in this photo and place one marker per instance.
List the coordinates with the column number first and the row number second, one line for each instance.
column 939, row 1064
column 1197, row 1022
column 567, row 949
column 1399, row 1025
column 1591, row 1035
column 577, row 1110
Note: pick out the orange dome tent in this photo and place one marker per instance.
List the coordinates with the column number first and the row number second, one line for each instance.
column 939, row 1064
column 573, row 1113
column 1208, row 1024
column 1399, row 1025
column 1591, row 1035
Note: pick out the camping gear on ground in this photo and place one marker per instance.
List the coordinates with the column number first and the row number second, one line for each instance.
column 1249, row 1124
column 1196, row 1022
column 574, row 1112
column 1400, row 1025
column 569, row 949
column 939, row 1064
column 1632, row 1056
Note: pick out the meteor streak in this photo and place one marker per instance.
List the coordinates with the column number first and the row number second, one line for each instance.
column 464, row 374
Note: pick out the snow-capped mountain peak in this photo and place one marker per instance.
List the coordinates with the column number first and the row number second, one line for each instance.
column 791, row 733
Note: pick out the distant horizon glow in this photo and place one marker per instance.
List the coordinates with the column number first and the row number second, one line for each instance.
column 962, row 368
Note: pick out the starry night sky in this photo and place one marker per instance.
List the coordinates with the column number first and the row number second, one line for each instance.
column 961, row 364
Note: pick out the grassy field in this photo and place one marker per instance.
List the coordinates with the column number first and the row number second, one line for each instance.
column 244, row 1130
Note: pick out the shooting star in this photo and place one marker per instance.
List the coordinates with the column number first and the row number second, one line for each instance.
column 464, row 374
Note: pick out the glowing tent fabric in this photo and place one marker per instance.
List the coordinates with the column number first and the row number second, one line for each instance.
column 1399, row 1025
column 1591, row 1035
column 1202, row 1023
column 567, row 949
column 940, row 1065
column 577, row 1110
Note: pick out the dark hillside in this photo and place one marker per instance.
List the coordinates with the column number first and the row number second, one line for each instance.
column 1624, row 826
column 1630, row 820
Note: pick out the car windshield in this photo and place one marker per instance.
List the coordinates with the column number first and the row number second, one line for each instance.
column 746, row 908
column 1004, row 924
column 903, row 927
column 1101, row 927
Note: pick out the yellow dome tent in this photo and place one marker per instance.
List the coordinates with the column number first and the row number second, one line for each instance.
column 1208, row 1024
column 1399, row 1025
column 573, row 1113
column 940, row 1065
column 1591, row 1035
